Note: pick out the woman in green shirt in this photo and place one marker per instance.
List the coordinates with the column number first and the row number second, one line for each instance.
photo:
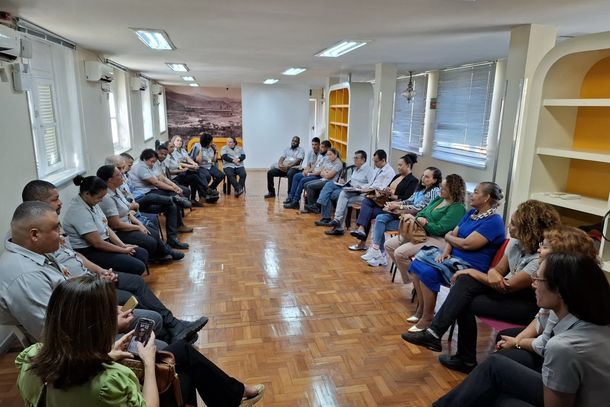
column 439, row 217
column 75, row 365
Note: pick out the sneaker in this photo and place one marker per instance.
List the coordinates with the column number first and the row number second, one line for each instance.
column 423, row 338
column 334, row 223
column 378, row 261
column 455, row 362
column 370, row 254
column 269, row 195
column 322, row 222
column 334, row 232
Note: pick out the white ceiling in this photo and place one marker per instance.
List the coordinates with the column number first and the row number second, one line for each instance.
column 233, row 41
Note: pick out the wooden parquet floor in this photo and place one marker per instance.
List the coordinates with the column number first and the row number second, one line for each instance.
column 294, row 309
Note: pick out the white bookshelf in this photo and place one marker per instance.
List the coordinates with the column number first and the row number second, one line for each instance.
column 587, row 155
column 584, row 204
column 577, row 102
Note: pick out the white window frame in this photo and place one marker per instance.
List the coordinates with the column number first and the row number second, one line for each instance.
column 54, row 65
column 147, row 113
column 120, row 125
column 463, row 114
column 409, row 117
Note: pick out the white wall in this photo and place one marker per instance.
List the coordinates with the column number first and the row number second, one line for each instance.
column 271, row 116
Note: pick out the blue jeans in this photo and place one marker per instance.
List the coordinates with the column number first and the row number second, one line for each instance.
column 384, row 222
column 329, row 193
column 298, row 184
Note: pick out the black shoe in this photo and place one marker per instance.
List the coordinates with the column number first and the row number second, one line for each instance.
column 312, row 208
column 423, row 338
column 287, row 200
column 454, row 362
column 322, row 222
column 161, row 260
column 212, row 199
column 176, row 244
column 239, row 192
column 292, row 205
column 213, row 192
column 182, row 202
column 334, row 223
column 185, row 329
column 269, row 195
column 358, row 234
column 176, row 255
column 334, row 232
column 196, row 203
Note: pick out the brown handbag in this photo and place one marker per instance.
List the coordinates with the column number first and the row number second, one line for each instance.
column 411, row 230
column 165, row 372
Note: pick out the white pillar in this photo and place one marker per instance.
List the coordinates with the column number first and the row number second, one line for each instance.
column 383, row 106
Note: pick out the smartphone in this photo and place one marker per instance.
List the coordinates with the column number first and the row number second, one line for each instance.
column 141, row 334
column 130, row 304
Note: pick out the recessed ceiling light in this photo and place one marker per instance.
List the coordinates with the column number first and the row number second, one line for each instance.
column 176, row 67
column 188, row 78
column 341, row 48
column 155, row 39
column 194, row 85
column 270, row 81
column 294, row 71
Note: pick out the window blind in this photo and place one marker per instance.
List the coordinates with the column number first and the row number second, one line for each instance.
column 408, row 120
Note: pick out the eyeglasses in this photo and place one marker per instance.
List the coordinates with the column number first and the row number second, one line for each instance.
column 536, row 278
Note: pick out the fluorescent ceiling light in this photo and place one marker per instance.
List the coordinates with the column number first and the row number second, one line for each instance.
column 194, row 85
column 270, row 81
column 341, row 48
column 294, row 71
column 188, row 78
column 155, row 39
column 176, row 67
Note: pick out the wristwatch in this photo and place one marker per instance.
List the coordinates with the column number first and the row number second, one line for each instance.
column 517, row 344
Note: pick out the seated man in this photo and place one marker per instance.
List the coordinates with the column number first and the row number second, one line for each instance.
column 152, row 193
column 331, row 171
column 310, row 162
column 300, row 179
column 383, row 174
column 360, row 177
column 127, row 284
column 29, row 272
column 291, row 158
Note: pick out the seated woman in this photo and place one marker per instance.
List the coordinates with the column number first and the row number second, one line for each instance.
column 87, row 228
column 439, row 217
column 426, row 192
column 124, row 223
column 504, row 292
column 154, row 195
column 471, row 245
column 85, row 372
column 204, row 154
column 401, row 187
column 233, row 157
column 526, row 345
column 576, row 363
column 182, row 172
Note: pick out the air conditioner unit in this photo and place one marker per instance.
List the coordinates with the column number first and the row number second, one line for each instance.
column 13, row 47
column 96, row 71
column 138, row 83
column 156, row 89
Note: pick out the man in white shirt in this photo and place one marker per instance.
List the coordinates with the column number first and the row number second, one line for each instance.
column 382, row 176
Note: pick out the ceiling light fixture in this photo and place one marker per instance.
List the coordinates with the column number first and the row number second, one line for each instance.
column 155, row 39
column 409, row 93
column 270, row 81
column 340, row 49
column 177, row 67
column 188, row 78
column 294, row 71
column 194, row 85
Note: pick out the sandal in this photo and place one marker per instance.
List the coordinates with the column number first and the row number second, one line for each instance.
column 250, row 401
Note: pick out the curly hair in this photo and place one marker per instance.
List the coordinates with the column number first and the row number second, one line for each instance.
column 456, row 187
column 530, row 220
column 570, row 239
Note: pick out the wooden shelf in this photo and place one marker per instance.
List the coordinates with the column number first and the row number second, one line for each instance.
column 577, row 102
column 340, row 106
column 593, row 206
column 339, row 124
column 334, row 140
column 575, row 154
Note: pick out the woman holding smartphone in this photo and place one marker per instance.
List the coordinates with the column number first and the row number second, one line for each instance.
column 84, row 371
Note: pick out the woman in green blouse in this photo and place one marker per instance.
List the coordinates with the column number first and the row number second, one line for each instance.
column 438, row 218
column 75, row 365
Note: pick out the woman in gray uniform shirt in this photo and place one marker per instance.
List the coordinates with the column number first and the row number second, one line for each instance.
column 233, row 157
column 89, row 234
column 205, row 155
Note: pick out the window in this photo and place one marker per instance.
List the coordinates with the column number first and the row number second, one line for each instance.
column 462, row 116
column 162, row 113
column 147, row 118
column 408, row 120
column 119, row 113
column 54, row 109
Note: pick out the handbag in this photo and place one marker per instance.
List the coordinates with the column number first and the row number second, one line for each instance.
column 411, row 230
column 379, row 197
column 165, row 372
